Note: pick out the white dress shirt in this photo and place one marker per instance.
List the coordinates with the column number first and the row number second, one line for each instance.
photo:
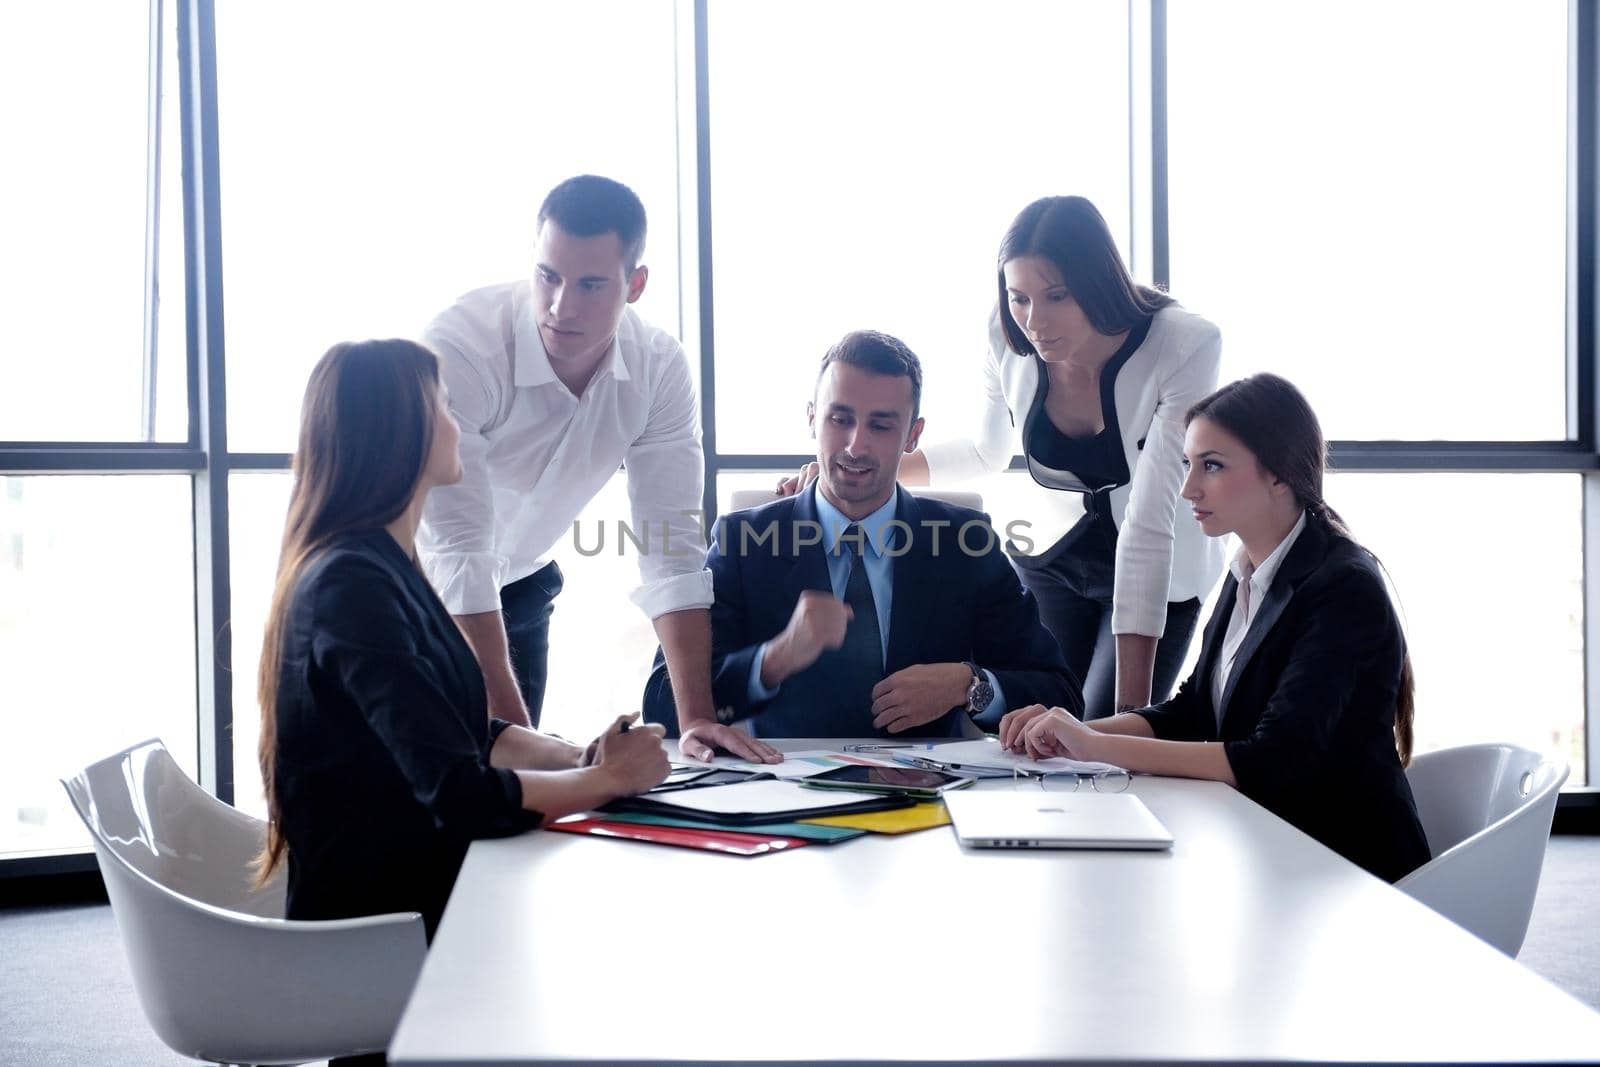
column 533, row 455
column 1257, row 581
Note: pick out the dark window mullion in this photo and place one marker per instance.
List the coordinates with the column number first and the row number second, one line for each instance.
column 152, row 218
column 91, row 458
column 202, row 229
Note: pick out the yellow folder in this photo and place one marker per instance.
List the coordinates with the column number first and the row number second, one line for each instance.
column 895, row 821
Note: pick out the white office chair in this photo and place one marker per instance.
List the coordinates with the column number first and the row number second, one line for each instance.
column 220, row 973
column 1487, row 811
column 754, row 498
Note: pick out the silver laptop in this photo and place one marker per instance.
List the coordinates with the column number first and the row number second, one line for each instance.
column 1022, row 818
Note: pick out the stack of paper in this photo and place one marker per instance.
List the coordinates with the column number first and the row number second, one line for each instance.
column 758, row 801
column 986, row 759
column 768, row 813
column 802, row 764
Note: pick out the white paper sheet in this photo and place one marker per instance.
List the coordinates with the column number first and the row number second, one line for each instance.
column 762, row 797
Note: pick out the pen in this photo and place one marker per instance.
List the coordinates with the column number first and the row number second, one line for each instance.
column 873, row 748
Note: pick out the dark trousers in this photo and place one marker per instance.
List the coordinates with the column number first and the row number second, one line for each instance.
column 1082, row 625
column 526, row 606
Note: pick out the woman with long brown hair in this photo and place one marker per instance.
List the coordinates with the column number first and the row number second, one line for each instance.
column 380, row 761
column 1302, row 698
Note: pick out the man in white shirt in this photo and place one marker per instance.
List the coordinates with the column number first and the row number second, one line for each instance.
column 556, row 382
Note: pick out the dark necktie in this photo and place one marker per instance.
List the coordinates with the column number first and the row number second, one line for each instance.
column 859, row 661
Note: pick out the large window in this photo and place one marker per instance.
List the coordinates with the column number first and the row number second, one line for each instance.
column 96, row 638
column 91, row 354
column 404, row 161
column 1487, row 572
column 860, row 182
column 402, row 167
column 97, row 590
column 1370, row 199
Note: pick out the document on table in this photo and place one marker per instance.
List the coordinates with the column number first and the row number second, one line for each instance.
column 797, row 765
column 986, row 758
column 765, row 796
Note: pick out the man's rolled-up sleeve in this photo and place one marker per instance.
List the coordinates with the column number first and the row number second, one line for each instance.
column 456, row 541
column 666, row 474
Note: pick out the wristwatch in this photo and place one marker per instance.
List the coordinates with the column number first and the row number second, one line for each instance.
column 980, row 692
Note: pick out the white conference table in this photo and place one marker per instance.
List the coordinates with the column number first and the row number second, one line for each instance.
column 1248, row 942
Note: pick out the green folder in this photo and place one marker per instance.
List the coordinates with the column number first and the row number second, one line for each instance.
column 822, row 835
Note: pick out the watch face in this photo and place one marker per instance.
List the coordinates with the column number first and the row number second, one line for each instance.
column 979, row 693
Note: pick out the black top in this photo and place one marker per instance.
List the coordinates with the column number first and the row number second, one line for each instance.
column 1097, row 460
column 1308, row 724
column 382, row 767
column 1096, row 463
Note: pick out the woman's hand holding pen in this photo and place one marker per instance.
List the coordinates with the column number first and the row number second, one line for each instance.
column 632, row 756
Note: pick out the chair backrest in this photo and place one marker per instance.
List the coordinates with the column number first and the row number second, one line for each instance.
column 1487, row 811
column 961, row 498
column 220, row 974
column 151, row 816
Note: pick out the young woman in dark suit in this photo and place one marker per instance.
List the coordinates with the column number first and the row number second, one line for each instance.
column 380, row 761
column 1302, row 698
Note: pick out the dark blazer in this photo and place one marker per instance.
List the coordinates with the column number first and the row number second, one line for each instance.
column 1308, row 723
column 950, row 606
column 382, row 768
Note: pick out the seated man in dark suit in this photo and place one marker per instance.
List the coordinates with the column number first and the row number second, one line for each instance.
column 853, row 608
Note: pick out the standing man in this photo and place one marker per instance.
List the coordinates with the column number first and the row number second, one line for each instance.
column 556, row 382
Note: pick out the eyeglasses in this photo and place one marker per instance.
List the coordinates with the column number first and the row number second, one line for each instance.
column 1068, row 782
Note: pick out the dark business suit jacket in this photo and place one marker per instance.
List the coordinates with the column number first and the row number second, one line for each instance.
column 383, row 735
column 950, row 605
column 1308, row 720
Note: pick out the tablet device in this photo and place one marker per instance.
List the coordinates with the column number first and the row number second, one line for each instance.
column 906, row 781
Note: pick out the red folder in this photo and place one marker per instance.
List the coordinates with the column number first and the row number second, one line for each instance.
column 736, row 843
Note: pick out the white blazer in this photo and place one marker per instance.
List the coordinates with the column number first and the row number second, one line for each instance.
column 1162, row 554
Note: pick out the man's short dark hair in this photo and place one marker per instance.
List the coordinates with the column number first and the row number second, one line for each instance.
column 880, row 354
column 590, row 206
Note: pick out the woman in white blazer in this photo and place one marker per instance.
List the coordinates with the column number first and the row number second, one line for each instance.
column 1090, row 375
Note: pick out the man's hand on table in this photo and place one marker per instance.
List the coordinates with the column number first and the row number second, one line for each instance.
column 700, row 741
